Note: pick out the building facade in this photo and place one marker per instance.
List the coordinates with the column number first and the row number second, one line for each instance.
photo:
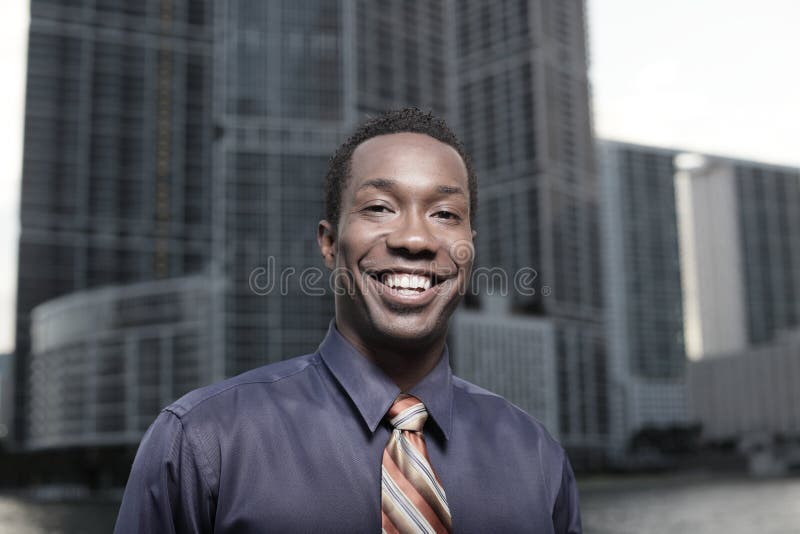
column 750, row 392
column 740, row 246
column 642, row 281
column 103, row 361
column 116, row 183
column 522, row 101
column 292, row 79
column 511, row 354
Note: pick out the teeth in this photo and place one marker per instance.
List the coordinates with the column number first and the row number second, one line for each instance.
column 407, row 281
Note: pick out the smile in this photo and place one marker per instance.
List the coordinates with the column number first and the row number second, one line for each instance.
column 407, row 288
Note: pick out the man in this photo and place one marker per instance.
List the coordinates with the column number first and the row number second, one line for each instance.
column 372, row 431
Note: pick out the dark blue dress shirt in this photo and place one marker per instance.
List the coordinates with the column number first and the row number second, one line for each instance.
column 296, row 446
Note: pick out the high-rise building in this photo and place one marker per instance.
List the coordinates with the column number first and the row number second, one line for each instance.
column 292, row 78
column 642, row 280
column 116, row 183
column 740, row 252
column 168, row 138
column 522, row 106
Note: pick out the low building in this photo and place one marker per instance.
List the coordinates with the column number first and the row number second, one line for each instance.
column 754, row 391
column 513, row 356
column 105, row 361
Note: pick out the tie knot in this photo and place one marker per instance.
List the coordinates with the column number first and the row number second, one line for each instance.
column 407, row 413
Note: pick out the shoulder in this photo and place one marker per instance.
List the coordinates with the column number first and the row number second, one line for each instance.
column 501, row 415
column 225, row 394
column 515, row 434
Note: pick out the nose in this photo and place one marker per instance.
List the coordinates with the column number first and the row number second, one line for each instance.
column 412, row 236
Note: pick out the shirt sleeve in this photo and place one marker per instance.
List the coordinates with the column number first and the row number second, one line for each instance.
column 166, row 491
column 566, row 512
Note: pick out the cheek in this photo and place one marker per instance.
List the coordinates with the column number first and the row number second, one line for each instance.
column 462, row 252
column 357, row 242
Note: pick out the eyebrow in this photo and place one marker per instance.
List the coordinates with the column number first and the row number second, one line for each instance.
column 450, row 190
column 387, row 184
column 384, row 184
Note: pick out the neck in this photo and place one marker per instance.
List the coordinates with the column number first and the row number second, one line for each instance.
column 405, row 364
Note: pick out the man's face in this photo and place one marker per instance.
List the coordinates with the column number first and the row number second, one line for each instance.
column 404, row 234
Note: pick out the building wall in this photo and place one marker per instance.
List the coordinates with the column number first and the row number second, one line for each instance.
column 769, row 226
column 116, row 168
column 522, row 96
column 643, row 289
column 292, row 79
column 741, row 253
column 712, row 264
column 105, row 361
column 750, row 392
column 511, row 356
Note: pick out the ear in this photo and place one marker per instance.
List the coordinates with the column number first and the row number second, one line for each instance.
column 326, row 239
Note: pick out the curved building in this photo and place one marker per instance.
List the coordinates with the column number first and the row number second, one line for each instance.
column 105, row 361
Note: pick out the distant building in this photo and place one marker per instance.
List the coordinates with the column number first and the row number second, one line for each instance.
column 753, row 391
column 642, row 282
column 104, row 361
column 116, row 173
column 740, row 248
column 513, row 356
column 521, row 101
column 293, row 78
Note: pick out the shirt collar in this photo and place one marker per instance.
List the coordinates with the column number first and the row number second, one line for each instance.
column 373, row 392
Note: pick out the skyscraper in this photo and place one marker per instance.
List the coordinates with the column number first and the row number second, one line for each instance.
column 292, row 79
column 740, row 246
column 116, row 181
column 522, row 107
column 647, row 361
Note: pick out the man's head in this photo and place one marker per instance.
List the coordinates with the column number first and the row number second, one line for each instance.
column 401, row 120
column 398, row 231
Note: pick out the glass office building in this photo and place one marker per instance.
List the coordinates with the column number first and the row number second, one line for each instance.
column 116, row 183
column 522, row 106
column 647, row 359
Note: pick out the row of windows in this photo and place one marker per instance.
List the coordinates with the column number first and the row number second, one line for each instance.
column 487, row 33
column 582, row 382
column 134, row 15
column 498, row 122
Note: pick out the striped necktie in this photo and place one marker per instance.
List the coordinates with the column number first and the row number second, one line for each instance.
column 412, row 498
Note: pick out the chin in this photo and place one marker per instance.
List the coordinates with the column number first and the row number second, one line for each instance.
column 415, row 330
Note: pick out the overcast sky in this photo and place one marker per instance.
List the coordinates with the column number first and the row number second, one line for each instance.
column 717, row 76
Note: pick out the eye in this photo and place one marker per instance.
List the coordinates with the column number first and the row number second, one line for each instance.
column 449, row 215
column 377, row 208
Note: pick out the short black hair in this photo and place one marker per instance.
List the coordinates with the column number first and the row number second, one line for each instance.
column 395, row 121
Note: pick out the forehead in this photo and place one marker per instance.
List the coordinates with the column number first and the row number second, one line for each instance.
column 414, row 158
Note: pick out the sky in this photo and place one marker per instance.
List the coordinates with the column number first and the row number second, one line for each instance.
column 715, row 76
column 718, row 76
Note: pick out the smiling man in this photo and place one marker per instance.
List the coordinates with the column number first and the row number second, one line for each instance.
column 372, row 431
